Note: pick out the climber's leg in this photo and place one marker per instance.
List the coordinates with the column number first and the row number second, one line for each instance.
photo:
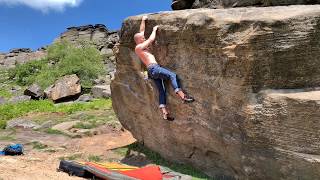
column 162, row 99
column 157, row 72
column 167, row 74
column 162, row 92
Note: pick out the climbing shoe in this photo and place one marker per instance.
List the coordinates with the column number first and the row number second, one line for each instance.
column 168, row 117
column 188, row 99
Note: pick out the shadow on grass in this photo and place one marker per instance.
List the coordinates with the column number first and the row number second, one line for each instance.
column 139, row 155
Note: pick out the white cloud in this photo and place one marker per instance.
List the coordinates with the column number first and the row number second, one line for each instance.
column 44, row 5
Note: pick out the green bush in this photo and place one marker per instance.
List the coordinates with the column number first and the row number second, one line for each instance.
column 25, row 74
column 63, row 59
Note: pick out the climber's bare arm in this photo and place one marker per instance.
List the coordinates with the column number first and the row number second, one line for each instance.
column 143, row 24
column 151, row 39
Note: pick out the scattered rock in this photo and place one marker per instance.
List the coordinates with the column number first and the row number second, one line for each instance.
column 2, row 100
column 107, row 52
column 65, row 126
column 47, row 124
column 15, row 89
column 64, row 88
column 101, row 91
column 18, row 99
column 34, row 91
column 103, row 80
column 22, row 123
column 85, row 98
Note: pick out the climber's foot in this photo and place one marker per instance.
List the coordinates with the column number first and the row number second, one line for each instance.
column 188, row 99
column 168, row 117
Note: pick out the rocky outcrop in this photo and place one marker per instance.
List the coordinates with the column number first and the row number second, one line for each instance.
column 35, row 91
column 21, row 123
column 101, row 91
column 254, row 73
column 214, row 4
column 18, row 99
column 20, row 56
column 64, row 88
column 181, row 4
column 85, row 98
column 99, row 35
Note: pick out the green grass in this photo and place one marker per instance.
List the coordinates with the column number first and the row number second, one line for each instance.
column 38, row 145
column 3, row 124
column 53, row 131
column 10, row 111
column 157, row 159
column 85, row 125
column 94, row 158
column 71, row 157
column 93, row 119
column 5, row 94
column 50, row 150
column 7, row 138
column 121, row 151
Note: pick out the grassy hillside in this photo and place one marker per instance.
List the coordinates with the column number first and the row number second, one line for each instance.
column 63, row 59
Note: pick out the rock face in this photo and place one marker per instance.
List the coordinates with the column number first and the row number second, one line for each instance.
column 101, row 91
column 34, row 91
column 254, row 74
column 187, row 4
column 65, row 87
column 20, row 56
column 181, row 4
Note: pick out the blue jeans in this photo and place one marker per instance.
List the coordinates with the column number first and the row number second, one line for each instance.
column 159, row 75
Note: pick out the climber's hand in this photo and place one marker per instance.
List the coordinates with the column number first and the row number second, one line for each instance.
column 155, row 28
column 144, row 18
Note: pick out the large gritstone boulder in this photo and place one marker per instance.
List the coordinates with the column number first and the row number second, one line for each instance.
column 187, row 4
column 64, row 88
column 254, row 74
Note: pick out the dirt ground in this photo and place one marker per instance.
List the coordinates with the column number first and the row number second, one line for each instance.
column 42, row 163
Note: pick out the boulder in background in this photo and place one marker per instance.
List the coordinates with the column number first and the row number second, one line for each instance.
column 34, row 91
column 64, row 88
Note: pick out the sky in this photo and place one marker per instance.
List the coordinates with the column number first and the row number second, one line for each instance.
column 36, row 23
